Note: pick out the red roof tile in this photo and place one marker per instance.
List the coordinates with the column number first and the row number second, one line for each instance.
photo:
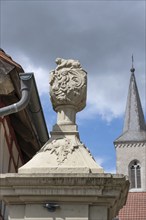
column 135, row 208
column 8, row 59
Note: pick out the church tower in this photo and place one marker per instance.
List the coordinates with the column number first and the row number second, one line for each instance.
column 131, row 145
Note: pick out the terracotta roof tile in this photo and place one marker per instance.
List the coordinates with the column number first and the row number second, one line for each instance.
column 8, row 59
column 135, row 208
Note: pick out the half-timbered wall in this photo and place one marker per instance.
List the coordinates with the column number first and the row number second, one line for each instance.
column 10, row 155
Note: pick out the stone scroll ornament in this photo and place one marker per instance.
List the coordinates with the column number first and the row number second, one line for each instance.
column 68, row 84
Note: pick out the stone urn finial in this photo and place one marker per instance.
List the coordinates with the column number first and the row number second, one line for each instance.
column 68, row 85
column 64, row 152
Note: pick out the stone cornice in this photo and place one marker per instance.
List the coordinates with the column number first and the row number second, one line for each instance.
column 98, row 189
column 17, row 186
column 63, row 179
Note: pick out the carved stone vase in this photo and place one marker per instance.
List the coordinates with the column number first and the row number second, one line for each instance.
column 68, row 86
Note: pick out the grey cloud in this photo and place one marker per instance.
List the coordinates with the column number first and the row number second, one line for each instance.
column 101, row 34
column 90, row 31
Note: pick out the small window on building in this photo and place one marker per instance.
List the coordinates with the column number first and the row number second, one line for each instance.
column 135, row 174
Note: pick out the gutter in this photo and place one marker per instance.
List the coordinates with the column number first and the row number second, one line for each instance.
column 36, row 111
column 26, row 84
column 30, row 98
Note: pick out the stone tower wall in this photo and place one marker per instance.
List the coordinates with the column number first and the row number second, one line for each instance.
column 125, row 153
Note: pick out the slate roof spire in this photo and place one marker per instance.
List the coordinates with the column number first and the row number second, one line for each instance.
column 134, row 128
column 134, row 117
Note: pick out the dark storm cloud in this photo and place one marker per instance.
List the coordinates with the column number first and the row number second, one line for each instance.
column 97, row 33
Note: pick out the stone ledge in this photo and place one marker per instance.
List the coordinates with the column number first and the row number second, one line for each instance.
column 63, row 179
column 106, row 185
column 108, row 190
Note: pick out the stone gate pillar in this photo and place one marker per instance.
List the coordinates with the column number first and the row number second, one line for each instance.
column 63, row 181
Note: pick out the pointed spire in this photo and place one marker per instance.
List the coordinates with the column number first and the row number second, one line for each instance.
column 134, row 117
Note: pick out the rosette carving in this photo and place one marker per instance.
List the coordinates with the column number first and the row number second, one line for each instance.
column 68, row 84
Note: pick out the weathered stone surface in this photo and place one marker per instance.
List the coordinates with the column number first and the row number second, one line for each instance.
column 79, row 196
column 62, row 156
column 68, row 85
column 64, row 152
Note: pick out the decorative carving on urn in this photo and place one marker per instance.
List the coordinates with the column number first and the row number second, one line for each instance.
column 68, row 84
column 62, row 147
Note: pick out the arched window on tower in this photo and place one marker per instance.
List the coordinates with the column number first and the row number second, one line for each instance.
column 135, row 174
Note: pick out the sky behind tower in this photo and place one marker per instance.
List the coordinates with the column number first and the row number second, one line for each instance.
column 102, row 35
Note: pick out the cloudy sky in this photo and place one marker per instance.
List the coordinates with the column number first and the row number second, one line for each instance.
column 103, row 35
